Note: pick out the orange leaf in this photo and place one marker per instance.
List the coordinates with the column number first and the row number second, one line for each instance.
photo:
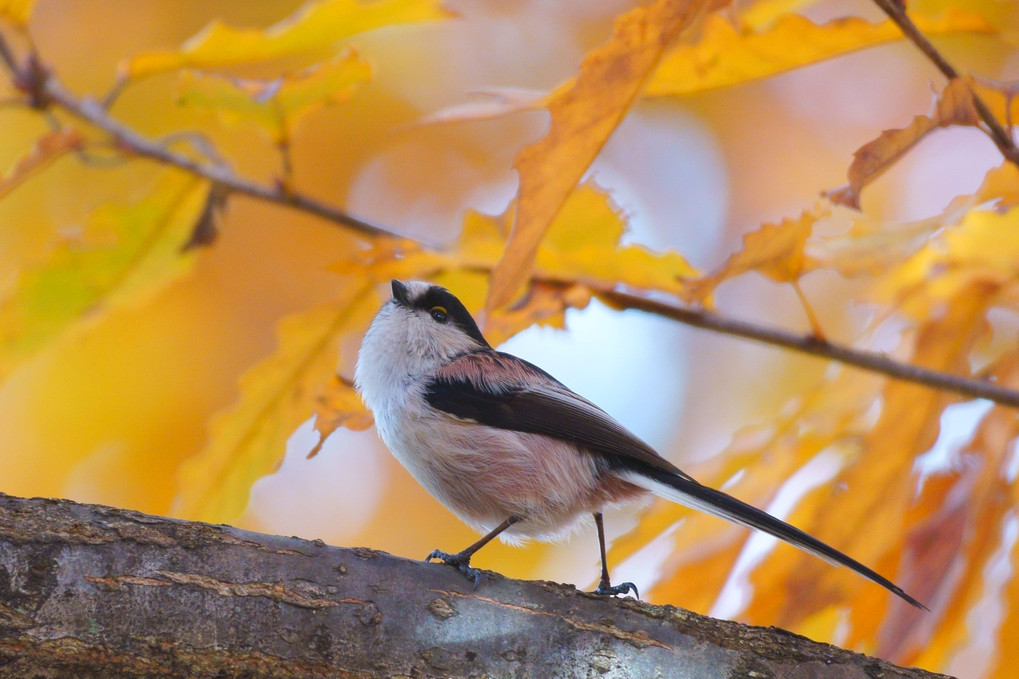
column 584, row 115
column 47, row 149
column 248, row 440
column 958, row 523
column 775, row 250
column 582, row 249
column 953, row 107
column 338, row 405
column 868, row 519
column 753, row 468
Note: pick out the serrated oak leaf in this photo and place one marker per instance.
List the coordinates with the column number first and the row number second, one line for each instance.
column 724, row 56
column 316, row 26
column 775, row 250
column 248, row 439
column 338, row 405
column 583, row 116
column 953, row 107
column 276, row 105
column 980, row 253
column 872, row 247
column 582, row 248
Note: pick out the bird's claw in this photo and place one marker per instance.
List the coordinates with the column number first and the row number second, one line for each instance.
column 605, row 589
column 461, row 562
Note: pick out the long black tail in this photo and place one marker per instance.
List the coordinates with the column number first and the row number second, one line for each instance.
column 686, row 491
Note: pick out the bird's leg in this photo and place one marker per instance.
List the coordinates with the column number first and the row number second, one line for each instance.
column 604, row 587
column 462, row 560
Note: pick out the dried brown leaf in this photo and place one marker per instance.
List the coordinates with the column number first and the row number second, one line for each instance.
column 953, row 107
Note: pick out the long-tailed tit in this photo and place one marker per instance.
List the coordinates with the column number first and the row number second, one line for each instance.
column 508, row 448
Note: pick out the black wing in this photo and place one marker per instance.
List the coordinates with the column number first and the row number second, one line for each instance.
column 503, row 391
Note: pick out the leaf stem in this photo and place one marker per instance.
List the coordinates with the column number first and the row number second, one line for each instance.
column 896, row 11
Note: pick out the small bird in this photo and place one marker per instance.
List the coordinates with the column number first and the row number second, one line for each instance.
column 509, row 449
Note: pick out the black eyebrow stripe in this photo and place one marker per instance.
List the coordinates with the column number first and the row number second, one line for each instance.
column 455, row 310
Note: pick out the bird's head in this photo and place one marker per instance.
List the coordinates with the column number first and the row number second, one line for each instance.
column 419, row 329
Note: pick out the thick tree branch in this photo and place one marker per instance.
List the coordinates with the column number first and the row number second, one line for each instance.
column 896, row 11
column 44, row 89
column 90, row 591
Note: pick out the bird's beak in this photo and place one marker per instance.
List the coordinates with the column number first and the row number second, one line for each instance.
column 400, row 293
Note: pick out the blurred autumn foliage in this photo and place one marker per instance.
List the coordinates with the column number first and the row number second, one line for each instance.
column 162, row 209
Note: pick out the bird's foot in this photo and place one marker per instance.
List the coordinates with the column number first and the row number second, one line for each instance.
column 605, row 589
column 461, row 561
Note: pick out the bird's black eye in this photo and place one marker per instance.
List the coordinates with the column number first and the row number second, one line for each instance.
column 439, row 313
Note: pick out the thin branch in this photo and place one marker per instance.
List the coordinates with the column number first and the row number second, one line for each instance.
column 7, row 57
column 51, row 91
column 808, row 344
column 896, row 11
column 136, row 144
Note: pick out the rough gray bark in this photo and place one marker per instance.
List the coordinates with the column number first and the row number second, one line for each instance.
column 90, row 591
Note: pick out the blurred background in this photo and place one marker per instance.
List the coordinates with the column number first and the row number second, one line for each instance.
column 108, row 414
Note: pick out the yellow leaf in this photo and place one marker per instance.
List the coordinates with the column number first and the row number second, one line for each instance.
column 982, row 251
column 126, row 253
column 723, row 56
column 753, row 468
column 874, row 247
column 48, row 148
column 543, row 305
column 584, row 114
column 276, row 105
column 1000, row 185
column 582, row 247
column 953, row 107
column 764, row 13
column 315, row 26
column 868, row 519
column 775, row 250
column 248, row 440
column 958, row 523
column 17, row 12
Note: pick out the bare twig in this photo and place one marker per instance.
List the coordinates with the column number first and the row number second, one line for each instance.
column 7, row 57
column 134, row 143
column 808, row 344
column 45, row 89
column 896, row 11
column 51, row 92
